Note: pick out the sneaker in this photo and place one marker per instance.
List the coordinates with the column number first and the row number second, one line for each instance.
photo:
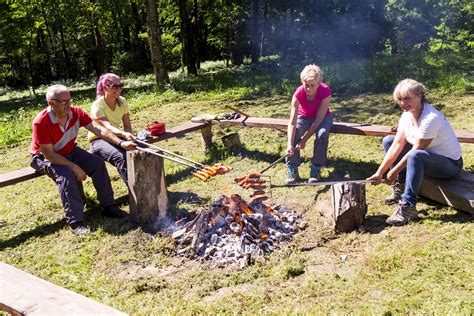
column 114, row 212
column 314, row 174
column 403, row 214
column 293, row 175
column 79, row 228
column 397, row 191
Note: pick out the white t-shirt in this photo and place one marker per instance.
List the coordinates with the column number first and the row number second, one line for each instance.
column 431, row 125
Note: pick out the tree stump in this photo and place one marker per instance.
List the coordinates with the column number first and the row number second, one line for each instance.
column 146, row 180
column 231, row 141
column 349, row 206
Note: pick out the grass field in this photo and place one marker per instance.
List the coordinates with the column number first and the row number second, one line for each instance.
column 423, row 267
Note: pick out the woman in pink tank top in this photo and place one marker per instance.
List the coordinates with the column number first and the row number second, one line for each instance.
column 309, row 115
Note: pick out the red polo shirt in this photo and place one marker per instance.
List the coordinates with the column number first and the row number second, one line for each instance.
column 46, row 130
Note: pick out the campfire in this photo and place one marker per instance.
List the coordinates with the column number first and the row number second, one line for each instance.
column 230, row 231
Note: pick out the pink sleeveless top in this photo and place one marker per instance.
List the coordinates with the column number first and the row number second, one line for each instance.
column 310, row 109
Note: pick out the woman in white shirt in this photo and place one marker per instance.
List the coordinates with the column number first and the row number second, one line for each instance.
column 425, row 143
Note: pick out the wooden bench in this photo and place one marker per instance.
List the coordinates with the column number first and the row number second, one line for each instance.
column 458, row 193
column 22, row 293
column 338, row 127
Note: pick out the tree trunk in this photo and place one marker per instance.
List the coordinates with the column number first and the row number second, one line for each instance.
column 156, row 48
column 146, row 180
column 264, row 27
column 349, row 206
column 187, row 38
column 255, row 50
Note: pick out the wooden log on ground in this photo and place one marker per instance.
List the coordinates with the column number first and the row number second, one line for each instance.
column 458, row 192
column 349, row 206
column 24, row 294
column 146, row 180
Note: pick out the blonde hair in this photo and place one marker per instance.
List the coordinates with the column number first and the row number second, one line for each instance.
column 311, row 72
column 408, row 87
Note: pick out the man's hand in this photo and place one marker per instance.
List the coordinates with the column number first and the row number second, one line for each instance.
column 78, row 172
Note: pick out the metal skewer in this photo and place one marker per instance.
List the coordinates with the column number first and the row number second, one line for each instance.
column 289, row 185
column 168, row 157
column 171, row 153
column 273, row 163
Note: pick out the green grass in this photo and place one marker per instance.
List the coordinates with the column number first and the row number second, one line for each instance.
column 423, row 267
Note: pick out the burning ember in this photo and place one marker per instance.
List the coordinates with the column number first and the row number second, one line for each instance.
column 230, row 231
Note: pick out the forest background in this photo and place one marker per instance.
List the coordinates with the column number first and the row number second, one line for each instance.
column 382, row 40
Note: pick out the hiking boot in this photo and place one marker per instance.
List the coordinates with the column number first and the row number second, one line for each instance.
column 79, row 228
column 403, row 214
column 114, row 212
column 397, row 191
column 314, row 174
column 293, row 175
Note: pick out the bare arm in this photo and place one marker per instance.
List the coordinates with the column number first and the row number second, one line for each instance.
column 109, row 136
column 126, row 134
column 323, row 108
column 394, row 151
column 57, row 159
column 292, row 126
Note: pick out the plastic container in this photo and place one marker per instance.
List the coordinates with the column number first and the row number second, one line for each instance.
column 156, row 128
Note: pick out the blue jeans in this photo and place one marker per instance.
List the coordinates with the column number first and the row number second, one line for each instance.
column 321, row 141
column 419, row 163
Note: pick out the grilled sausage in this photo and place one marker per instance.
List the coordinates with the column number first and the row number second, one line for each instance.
column 200, row 177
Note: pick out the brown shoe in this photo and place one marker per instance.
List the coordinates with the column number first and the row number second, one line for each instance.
column 403, row 214
column 397, row 191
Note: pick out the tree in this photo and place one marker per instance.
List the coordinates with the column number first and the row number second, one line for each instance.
column 156, row 48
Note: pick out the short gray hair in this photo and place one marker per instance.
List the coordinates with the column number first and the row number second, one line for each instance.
column 54, row 90
column 311, row 72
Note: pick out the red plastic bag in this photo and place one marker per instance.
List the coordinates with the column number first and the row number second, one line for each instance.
column 156, row 129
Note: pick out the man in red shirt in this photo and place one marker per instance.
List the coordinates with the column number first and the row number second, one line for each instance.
column 55, row 153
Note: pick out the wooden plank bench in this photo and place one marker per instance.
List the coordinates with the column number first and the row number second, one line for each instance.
column 338, row 127
column 22, row 293
column 28, row 173
column 458, row 193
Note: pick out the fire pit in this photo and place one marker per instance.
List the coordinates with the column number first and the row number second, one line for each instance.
column 231, row 231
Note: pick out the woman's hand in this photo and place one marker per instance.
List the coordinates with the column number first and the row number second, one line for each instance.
column 128, row 145
column 392, row 176
column 128, row 136
column 376, row 178
column 301, row 144
column 289, row 151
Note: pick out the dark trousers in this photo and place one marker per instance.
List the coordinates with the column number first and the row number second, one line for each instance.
column 116, row 156
column 66, row 181
column 321, row 141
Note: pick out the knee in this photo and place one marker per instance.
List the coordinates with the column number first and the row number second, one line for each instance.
column 416, row 155
column 387, row 142
column 323, row 133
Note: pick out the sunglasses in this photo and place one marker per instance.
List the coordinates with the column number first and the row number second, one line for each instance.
column 63, row 102
column 115, row 86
